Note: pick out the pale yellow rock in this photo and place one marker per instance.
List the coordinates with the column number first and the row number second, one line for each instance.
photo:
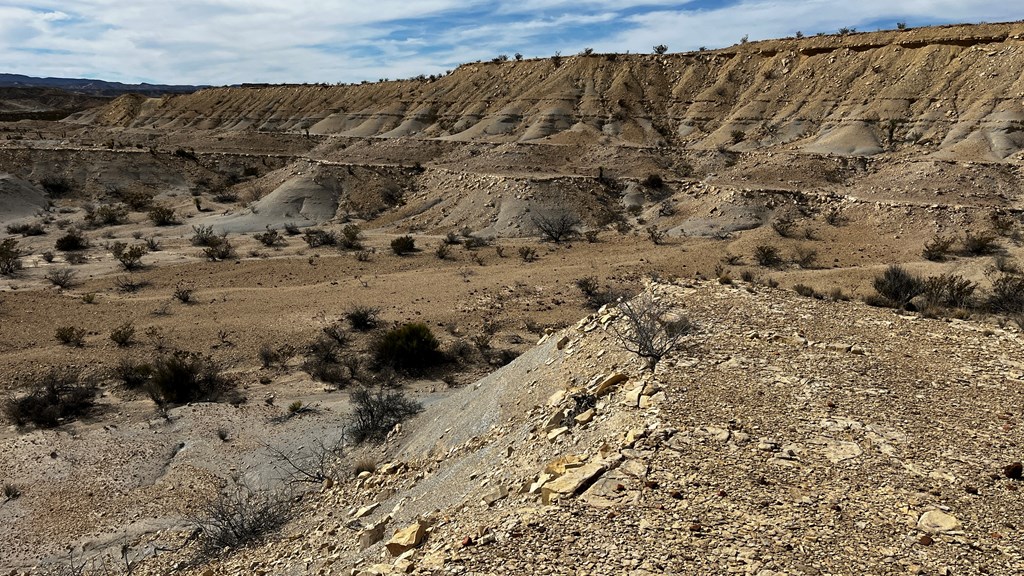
column 560, row 465
column 570, row 482
column 365, row 510
column 556, row 398
column 556, row 433
column 585, row 416
column 606, row 385
column 937, row 521
column 407, row 538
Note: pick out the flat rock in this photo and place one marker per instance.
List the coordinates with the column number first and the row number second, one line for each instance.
column 937, row 521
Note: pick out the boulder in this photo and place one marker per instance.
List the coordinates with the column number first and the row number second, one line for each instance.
column 407, row 538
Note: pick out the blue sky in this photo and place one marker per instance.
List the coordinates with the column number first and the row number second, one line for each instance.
column 233, row 41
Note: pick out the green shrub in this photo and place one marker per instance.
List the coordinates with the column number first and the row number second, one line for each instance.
column 73, row 240
column 979, row 244
column 163, row 216
column 61, row 277
column 57, row 185
column 363, row 318
column 107, row 215
column 403, row 245
column 350, row 235
column 219, row 249
column 316, row 237
column 1007, row 295
column 767, row 255
column 59, row 395
column 938, row 248
column 203, row 236
column 70, row 336
column 133, row 375
column 898, row 286
column 27, row 229
column 10, row 256
column 270, row 238
column 181, row 377
column 950, row 290
column 411, row 347
column 130, row 257
column 123, row 335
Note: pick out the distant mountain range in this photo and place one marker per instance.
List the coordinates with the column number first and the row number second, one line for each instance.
column 92, row 87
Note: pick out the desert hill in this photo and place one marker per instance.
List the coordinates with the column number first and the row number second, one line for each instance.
column 823, row 413
column 954, row 90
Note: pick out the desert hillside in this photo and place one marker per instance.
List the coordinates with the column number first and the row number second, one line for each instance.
column 390, row 327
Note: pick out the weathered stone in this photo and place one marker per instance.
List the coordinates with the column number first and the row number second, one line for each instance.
column 836, row 450
column 569, row 483
column 584, row 417
column 556, row 398
column 365, row 510
column 560, row 465
column 562, row 342
column 937, row 521
column 495, row 494
column 556, row 420
column 372, row 534
column 552, row 435
column 407, row 538
column 606, row 385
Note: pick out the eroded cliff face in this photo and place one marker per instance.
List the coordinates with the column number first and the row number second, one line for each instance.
column 955, row 89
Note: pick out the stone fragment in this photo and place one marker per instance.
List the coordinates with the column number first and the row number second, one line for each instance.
column 560, row 465
column 556, row 398
column 1014, row 471
column 837, row 450
column 372, row 534
column 585, row 416
column 554, row 434
column 937, row 521
column 562, row 342
column 632, row 397
column 407, row 538
column 606, row 385
column 497, row 493
column 569, row 483
column 365, row 510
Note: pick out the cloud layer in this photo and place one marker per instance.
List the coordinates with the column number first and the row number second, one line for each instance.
column 234, row 41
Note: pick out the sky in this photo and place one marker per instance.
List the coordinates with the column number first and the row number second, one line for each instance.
column 220, row 42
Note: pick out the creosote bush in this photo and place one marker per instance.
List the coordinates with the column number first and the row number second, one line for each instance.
column 403, row 245
column 377, row 412
column 133, row 375
column 180, row 377
column 241, row 516
column 363, row 318
column 219, row 249
column 10, row 257
column 270, row 238
column 57, row 396
column 70, row 336
column 558, row 226
column 899, row 286
column 130, row 257
column 61, row 277
column 123, row 335
column 938, row 248
column 768, row 256
column 979, row 244
column 163, row 216
column 316, row 237
column 72, row 240
column 106, row 215
column 411, row 348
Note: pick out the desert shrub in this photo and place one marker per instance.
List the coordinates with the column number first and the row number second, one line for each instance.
column 557, row 226
column 270, row 238
column 10, row 491
column 527, row 253
column 655, row 235
column 72, row 240
column 291, row 229
column 654, row 181
column 48, row 256
column 316, row 237
column 660, row 49
column 133, row 375
column 163, row 216
column 649, row 327
column 27, row 229
column 475, row 242
column 403, row 245
column 594, row 294
column 834, row 217
column 323, row 356
column 950, row 290
column 411, row 347
column 107, row 215
column 591, row 236
column 181, row 377
column 57, row 185
column 184, row 292
column 269, row 355
column 128, row 284
column 123, row 335
column 805, row 290
column 363, row 318
column 10, row 256
column 1007, row 295
column 784, row 226
column 898, row 286
column 979, row 244
column 136, row 200
column 805, row 257
column 241, row 516
column 350, row 237
column 61, row 277
column 767, row 255
column 203, row 236
column 443, row 251
column 57, row 396
column 452, row 238
column 376, row 413
column 70, row 336
column 130, row 257
column 220, row 249
column 938, row 248
column 75, row 258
